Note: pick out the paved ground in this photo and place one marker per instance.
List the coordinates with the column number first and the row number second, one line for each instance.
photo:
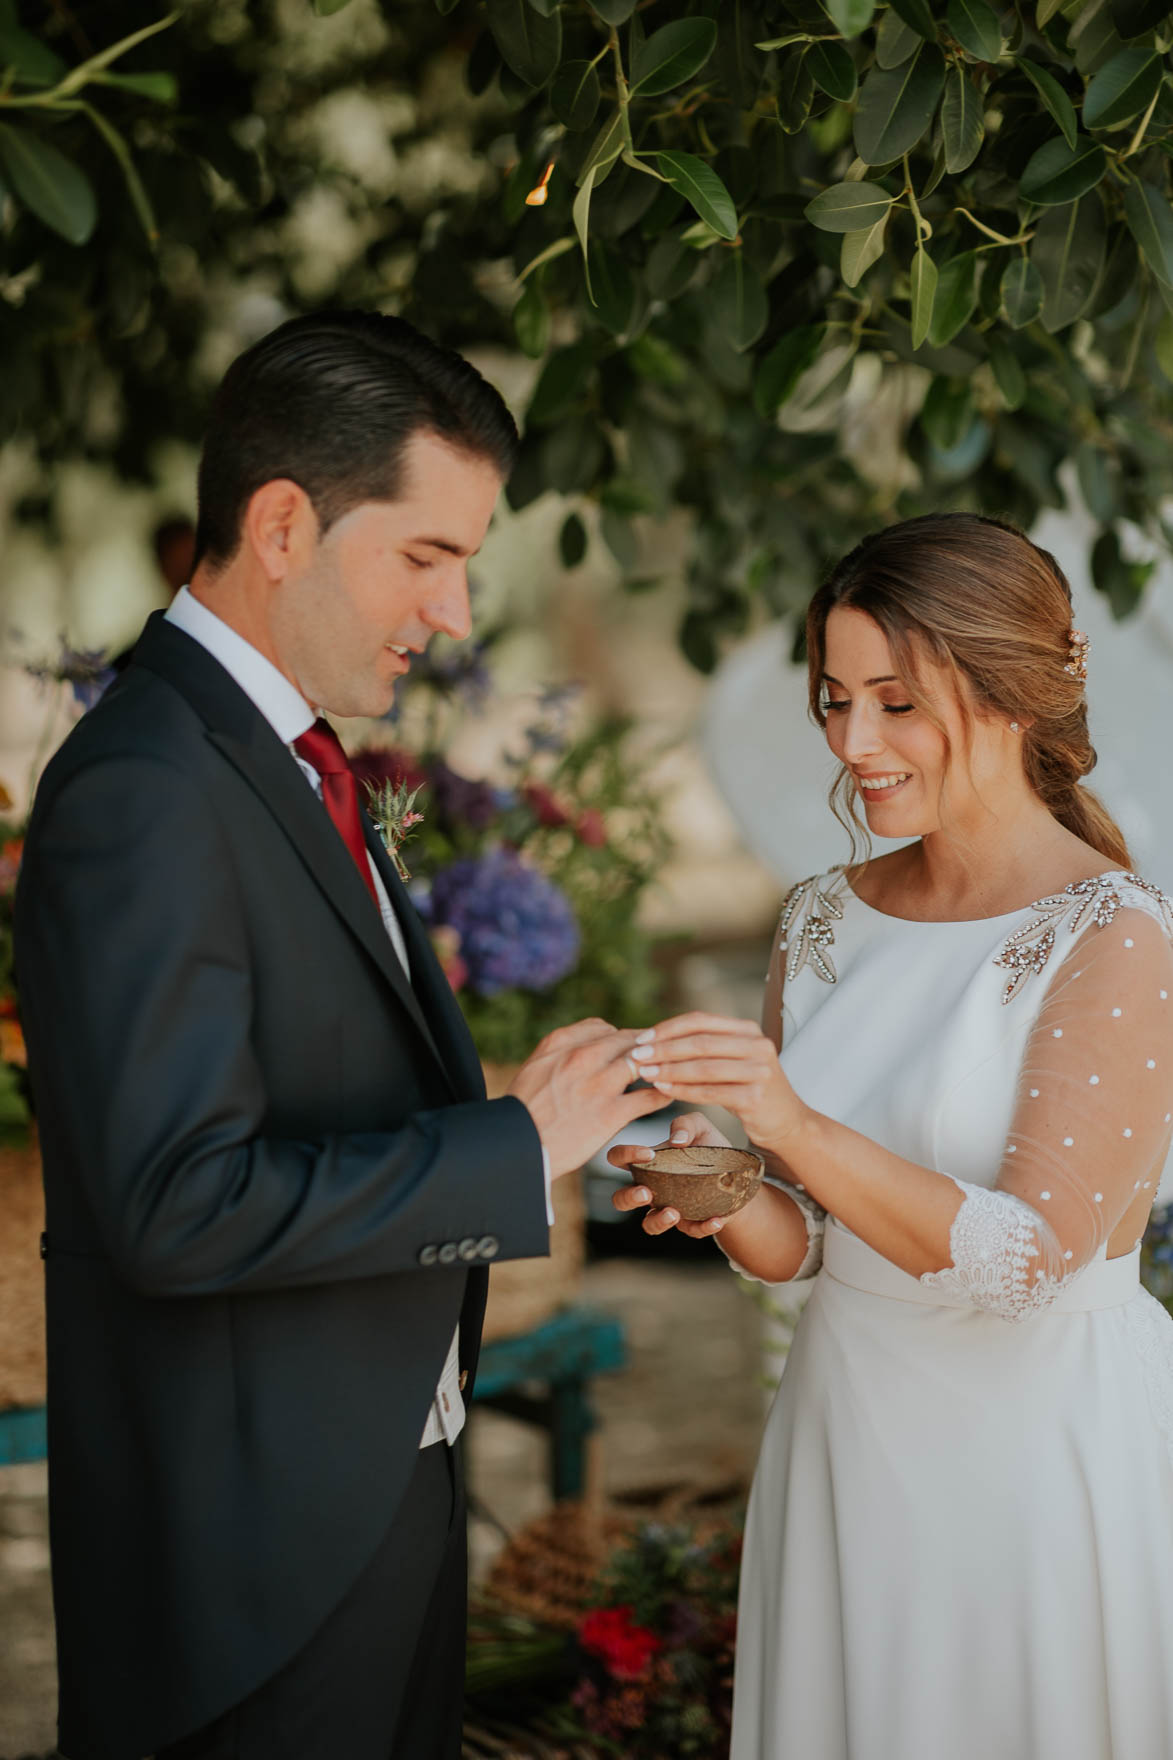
column 691, row 1405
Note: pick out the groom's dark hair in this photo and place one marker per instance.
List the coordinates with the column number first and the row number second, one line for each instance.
column 331, row 401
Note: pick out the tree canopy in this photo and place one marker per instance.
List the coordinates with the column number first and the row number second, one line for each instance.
column 795, row 268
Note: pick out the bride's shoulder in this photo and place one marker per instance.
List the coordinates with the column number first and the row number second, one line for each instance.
column 806, row 928
column 1108, row 904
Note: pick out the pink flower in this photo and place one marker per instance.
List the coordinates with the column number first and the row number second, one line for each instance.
column 545, row 804
column 592, row 827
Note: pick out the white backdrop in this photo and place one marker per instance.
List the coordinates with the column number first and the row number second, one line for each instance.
column 773, row 768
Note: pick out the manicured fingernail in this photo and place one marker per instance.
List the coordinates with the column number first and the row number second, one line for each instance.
column 678, row 1137
column 664, row 1087
column 642, row 1195
column 648, row 1070
column 642, row 1053
column 643, row 1154
column 672, row 1216
column 646, row 1037
column 718, row 1225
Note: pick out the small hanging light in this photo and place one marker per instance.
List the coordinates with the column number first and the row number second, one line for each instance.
column 537, row 196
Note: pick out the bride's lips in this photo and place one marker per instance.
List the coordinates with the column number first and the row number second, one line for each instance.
column 882, row 785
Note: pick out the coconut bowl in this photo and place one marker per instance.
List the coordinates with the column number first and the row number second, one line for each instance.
column 700, row 1179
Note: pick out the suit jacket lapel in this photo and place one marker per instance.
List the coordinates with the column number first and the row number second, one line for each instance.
column 427, row 975
column 240, row 732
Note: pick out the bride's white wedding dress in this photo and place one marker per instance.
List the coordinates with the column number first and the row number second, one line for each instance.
column 959, row 1543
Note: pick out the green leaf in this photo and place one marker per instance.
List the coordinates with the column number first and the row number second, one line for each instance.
column 1096, row 481
column 608, row 144
column 574, row 94
column 1023, row 293
column 962, row 123
column 1057, row 173
column 559, row 248
column 672, row 55
column 1008, row 371
column 1046, row 10
column 918, row 16
column 620, row 539
column 1163, row 346
column 896, row 108
column 946, row 412
column 895, row 41
column 48, row 183
column 1133, row 17
column 161, row 88
column 530, row 44
column 796, row 89
column 922, row 283
column 848, row 207
column 955, row 298
column 1122, row 582
column 1150, row 221
column 327, row 8
column 671, row 265
column 976, row 27
column 1053, row 96
column 581, row 216
column 700, row 186
column 531, row 322
column 1068, row 251
column 832, row 70
column 784, row 366
column 562, row 384
column 32, row 62
column 614, row 11
column 860, row 250
column 611, row 288
column 850, row 16
column 737, row 301
column 1122, row 88
column 572, row 541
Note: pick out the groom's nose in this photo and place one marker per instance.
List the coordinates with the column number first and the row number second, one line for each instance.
column 447, row 609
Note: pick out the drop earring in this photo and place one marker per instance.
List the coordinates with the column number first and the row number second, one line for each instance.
column 1014, row 727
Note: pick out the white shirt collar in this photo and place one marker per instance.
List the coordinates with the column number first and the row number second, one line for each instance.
column 281, row 703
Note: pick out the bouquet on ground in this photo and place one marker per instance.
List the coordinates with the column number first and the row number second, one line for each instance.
column 656, row 1653
column 530, row 886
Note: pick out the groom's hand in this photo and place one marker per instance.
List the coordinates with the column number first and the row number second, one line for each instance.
column 574, row 1088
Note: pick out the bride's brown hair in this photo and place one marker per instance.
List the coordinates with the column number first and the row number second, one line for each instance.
column 976, row 597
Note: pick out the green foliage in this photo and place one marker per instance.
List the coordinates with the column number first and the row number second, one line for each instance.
column 764, row 216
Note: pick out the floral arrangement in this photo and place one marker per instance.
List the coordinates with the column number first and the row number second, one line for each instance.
column 1156, row 1255
column 530, row 886
column 656, row 1669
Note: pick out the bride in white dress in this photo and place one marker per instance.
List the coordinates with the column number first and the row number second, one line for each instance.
column 959, row 1543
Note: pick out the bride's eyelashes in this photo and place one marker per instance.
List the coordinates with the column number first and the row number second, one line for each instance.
column 830, row 708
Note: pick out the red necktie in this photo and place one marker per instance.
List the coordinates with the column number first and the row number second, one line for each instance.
column 322, row 748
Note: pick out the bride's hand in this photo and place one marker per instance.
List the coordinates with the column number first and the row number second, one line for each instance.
column 710, row 1060
column 690, row 1127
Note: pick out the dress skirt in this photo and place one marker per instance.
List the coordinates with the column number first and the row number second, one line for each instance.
column 958, row 1538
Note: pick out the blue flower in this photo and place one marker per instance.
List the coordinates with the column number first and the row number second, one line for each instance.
column 517, row 930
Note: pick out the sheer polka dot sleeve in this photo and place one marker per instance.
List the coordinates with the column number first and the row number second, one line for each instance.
column 1091, row 1128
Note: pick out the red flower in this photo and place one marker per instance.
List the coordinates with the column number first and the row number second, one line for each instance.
column 624, row 1648
column 592, row 827
column 446, row 946
column 387, row 764
column 545, row 805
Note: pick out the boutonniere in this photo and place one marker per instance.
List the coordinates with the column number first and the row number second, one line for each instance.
column 391, row 806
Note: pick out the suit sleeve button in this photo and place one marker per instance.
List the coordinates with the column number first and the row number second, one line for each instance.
column 447, row 1253
column 427, row 1255
column 44, row 1246
column 488, row 1246
column 469, row 1249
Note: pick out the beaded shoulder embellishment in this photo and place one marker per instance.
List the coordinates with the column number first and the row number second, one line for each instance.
column 809, row 912
column 1083, row 902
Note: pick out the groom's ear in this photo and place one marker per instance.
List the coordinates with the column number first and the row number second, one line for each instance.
column 280, row 527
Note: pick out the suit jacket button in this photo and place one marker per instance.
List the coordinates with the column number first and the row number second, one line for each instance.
column 469, row 1248
column 488, row 1246
column 447, row 1253
column 427, row 1255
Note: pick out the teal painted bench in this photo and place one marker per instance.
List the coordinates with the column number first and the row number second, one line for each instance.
column 22, row 1435
column 544, row 1378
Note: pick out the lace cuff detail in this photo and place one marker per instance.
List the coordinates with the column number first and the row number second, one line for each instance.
column 996, row 1244
column 815, row 1218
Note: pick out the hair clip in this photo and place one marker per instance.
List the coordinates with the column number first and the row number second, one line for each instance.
column 1077, row 652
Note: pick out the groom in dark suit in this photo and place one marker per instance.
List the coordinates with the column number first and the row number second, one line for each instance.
column 273, row 1181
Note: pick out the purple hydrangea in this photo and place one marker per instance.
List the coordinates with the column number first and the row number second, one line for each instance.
column 517, row 930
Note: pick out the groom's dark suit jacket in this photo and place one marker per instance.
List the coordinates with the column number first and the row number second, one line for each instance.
column 273, row 1185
